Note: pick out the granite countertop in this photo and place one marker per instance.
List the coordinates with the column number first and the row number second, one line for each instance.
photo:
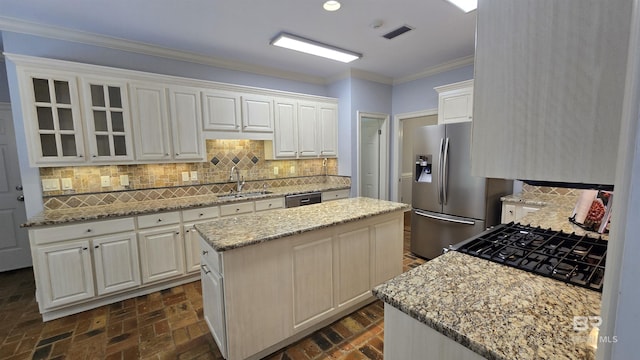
column 55, row 217
column 554, row 213
column 516, row 315
column 234, row 232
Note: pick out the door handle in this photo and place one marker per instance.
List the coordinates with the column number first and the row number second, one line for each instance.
column 20, row 198
column 442, row 218
column 440, row 156
column 445, row 170
column 19, row 187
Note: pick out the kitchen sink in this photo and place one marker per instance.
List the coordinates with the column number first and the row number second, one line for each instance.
column 244, row 195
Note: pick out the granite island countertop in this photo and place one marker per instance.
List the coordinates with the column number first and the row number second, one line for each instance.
column 234, row 232
column 63, row 216
column 497, row 311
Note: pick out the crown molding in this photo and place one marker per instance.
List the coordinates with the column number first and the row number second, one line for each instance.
column 60, row 33
column 449, row 65
column 362, row 75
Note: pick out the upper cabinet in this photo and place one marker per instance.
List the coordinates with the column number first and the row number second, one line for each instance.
column 221, row 110
column 51, row 109
column 151, row 121
column 237, row 115
column 303, row 129
column 548, row 90
column 455, row 102
column 107, row 119
column 186, row 116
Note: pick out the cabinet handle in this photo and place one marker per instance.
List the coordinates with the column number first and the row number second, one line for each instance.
column 205, row 269
column 97, row 246
column 205, row 252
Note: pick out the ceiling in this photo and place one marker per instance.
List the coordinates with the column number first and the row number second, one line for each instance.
column 240, row 30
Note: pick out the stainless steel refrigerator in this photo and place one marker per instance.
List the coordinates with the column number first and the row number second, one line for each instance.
column 449, row 205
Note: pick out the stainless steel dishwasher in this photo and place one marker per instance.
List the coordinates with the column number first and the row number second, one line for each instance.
column 302, row 199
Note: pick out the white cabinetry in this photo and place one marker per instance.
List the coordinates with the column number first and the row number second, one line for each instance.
column 116, row 262
column 107, row 118
column 514, row 212
column 236, row 115
column 222, row 110
column 327, row 273
column 335, row 195
column 51, row 108
column 186, row 109
column 150, row 121
column 549, row 87
column 64, row 273
column 161, row 247
column 190, row 218
column 257, row 113
column 303, row 129
column 455, row 102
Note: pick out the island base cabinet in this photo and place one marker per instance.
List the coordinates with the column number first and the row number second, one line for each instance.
column 265, row 296
column 407, row 338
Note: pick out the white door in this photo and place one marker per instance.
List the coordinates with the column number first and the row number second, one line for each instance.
column 370, row 157
column 14, row 242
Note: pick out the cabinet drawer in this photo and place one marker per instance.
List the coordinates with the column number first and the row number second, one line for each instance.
column 235, row 209
column 269, row 204
column 82, row 230
column 146, row 221
column 210, row 257
column 335, row 195
column 200, row 213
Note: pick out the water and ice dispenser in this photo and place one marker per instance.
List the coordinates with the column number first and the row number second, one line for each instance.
column 423, row 168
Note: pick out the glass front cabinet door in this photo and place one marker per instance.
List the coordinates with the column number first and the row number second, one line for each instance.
column 53, row 116
column 107, row 120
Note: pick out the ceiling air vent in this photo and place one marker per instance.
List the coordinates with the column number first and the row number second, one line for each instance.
column 397, row 32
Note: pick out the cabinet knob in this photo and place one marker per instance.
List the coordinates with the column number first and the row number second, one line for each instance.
column 80, row 155
column 205, row 252
column 177, row 154
column 97, row 246
column 85, row 248
column 187, row 230
column 167, row 154
column 159, row 220
column 201, row 215
column 88, row 230
column 177, row 232
column 94, row 156
column 237, row 210
column 511, row 212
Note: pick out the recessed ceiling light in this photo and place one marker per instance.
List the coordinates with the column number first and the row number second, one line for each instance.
column 465, row 5
column 301, row 44
column 331, row 5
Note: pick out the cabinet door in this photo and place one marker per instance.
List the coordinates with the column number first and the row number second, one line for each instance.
column 150, row 122
column 508, row 213
column 307, row 129
column 116, row 263
column 328, row 121
column 257, row 113
column 213, row 308
column 52, row 114
column 161, row 253
column 107, row 119
column 285, row 132
column 388, row 248
column 221, row 110
column 64, row 273
column 191, row 248
column 185, row 123
column 455, row 106
column 313, row 293
column 354, row 266
column 549, row 88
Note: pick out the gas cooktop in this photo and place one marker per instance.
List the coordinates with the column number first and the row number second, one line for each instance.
column 578, row 260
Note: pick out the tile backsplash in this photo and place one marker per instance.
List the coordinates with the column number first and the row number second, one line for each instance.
column 532, row 189
column 222, row 155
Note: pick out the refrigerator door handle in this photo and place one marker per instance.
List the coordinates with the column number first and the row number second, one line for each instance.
column 445, row 171
column 440, row 159
column 436, row 217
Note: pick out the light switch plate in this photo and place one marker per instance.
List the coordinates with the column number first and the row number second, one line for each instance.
column 275, row 170
column 292, row 169
column 124, row 180
column 185, row 176
column 50, row 184
column 194, row 175
column 105, row 181
column 67, row 184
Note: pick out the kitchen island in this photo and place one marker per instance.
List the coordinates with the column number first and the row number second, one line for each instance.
column 270, row 279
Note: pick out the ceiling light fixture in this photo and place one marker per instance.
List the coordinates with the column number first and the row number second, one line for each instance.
column 331, row 5
column 465, row 5
column 301, row 44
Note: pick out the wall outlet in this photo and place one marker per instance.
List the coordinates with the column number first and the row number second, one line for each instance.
column 105, row 181
column 292, row 170
column 275, row 170
column 50, row 184
column 194, row 175
column 124, row 180
column 67, row 184
column 185, row 176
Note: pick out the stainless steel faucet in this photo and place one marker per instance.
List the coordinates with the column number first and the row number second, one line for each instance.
column 240, row 183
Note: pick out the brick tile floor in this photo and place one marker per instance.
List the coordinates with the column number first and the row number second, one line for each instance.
column 163, row 325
